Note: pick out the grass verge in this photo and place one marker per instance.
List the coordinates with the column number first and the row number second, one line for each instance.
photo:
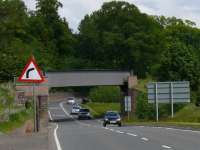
column 16, row 120
column 99, row 109
column 185, row 125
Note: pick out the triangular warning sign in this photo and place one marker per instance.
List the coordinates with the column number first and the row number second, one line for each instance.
column 31, row 73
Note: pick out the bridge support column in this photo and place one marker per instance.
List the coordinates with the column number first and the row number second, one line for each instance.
column 128, row 89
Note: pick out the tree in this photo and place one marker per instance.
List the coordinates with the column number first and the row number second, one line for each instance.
column 119, row 36
column 179, row 62
column 13, row 35
column 53, row 31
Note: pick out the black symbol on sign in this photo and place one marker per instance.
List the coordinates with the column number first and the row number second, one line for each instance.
column 28, row 72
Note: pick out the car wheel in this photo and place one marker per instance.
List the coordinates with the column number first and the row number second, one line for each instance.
column 119, row 124
column 104, row 124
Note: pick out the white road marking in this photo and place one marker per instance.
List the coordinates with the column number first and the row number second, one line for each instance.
column 119, row 131
column 182, row 130
column 111, row 129
column 165, row 146
column 61, row 105
column 50, row 115
column 131, row 134
column 56, row 138
column 144, row 139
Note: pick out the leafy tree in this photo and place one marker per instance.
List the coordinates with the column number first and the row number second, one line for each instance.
column 179, row 62
column 13, row 23
column 53, row 31
column 119, row 36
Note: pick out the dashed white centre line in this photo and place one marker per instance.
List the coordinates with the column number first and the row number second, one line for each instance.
column 119, row 131
column 165, row 146
column 111, row 129
column 131, row 134
column 144, row 139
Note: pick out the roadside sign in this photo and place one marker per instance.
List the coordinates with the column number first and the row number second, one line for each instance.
column 127, row 103
column 31, row 73
column 180, row 91
column 168, row 92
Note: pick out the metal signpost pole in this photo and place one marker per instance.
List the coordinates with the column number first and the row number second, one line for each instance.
column 172, row 99
column 34, row 105
column 156, row 96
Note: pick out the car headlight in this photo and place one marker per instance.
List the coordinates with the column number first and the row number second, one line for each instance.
column 119, row 119
column 106, row 119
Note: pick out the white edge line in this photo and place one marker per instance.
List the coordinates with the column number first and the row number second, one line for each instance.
column 56, row 138
column 50, row 115
column 61, row 105
column 145, row 139
column 165, row 146
column 183, row 130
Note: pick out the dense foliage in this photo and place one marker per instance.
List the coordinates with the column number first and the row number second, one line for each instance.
column 105, row 94
column 117, row 36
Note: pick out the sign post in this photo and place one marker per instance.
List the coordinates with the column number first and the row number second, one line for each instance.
column 127, row 102
column 156, row 94
column 32, row 74
column 168, row 92
column 172, row 101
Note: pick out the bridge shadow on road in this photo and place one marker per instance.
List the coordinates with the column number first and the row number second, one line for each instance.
column 62, row 120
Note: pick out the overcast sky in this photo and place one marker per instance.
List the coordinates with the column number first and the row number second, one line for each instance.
column 75, row 10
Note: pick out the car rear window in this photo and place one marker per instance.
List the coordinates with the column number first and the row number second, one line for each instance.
column 84, row 110
column 75, row 107
column 112, row 114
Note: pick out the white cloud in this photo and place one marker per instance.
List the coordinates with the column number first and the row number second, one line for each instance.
column 75, row 10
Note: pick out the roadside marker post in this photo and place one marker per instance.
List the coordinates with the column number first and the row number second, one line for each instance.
column 32, row 74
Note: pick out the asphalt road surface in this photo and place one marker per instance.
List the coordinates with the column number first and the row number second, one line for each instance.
column 72, row 134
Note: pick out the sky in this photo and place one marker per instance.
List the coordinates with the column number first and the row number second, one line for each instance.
column 75, row 10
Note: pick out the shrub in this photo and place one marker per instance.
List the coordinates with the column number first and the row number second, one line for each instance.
column 144, row 110
column 105, row 94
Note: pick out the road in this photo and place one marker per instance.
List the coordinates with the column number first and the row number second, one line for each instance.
column 72, row 134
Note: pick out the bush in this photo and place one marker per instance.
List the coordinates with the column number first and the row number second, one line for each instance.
column 144, row 110
column 105, row 94
column 198, row 98
column 14, row 117
column 28, row 104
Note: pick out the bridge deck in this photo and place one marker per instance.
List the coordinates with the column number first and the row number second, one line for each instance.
column 86, row 78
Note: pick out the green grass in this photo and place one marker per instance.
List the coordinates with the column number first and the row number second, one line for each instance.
column 99, row 109
column 16, row 121
column 189, row 113
column 188, row 117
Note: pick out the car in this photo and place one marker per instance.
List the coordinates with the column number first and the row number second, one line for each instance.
column 112, row 117
column 84, row 113
column 75, row 109
column 85, row 100
column 71, row 100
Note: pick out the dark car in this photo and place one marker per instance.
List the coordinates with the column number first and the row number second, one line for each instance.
column 84, row 114
column 112, row 117
column 85, row 100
